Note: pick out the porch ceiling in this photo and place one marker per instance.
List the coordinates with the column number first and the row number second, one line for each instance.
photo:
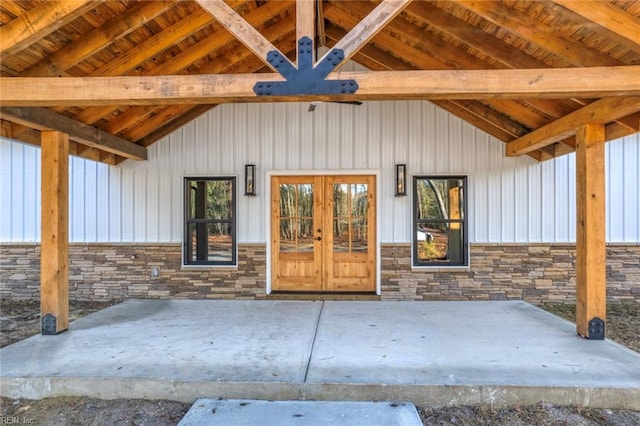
column 79, row 38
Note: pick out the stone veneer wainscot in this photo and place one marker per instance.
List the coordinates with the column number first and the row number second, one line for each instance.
column 536, row 273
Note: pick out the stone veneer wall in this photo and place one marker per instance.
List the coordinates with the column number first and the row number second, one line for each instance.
column 101, row 271
column 536, row 273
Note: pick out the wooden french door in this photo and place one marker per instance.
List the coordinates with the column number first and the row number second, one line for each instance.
column 323, row 233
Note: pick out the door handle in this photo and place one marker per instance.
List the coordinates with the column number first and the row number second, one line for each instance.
column 319, row 238
column 318, row 230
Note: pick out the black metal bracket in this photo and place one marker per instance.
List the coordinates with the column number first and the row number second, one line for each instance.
column 596, row 329
column 305, row 80
column 49, row 325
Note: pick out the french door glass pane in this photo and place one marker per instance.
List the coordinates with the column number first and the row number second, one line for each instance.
column 359, row 237
column 305, row 235
column 350, row 209
column 359, row 201
column 305, row 200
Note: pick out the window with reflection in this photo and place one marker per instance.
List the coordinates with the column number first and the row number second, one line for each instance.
column 440, row 224
column 350, row 217
column 210, row 227
column 296, row 218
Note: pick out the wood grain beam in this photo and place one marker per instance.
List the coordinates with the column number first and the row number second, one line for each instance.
column 39, row 22
column 385, row 85
column 95, row 40
column 44, row 120
column 591, row 250
column 600, row 112
column 366, row 29
column 306, row 21
column 608, row 16
column 242, row 30
column 54, row 256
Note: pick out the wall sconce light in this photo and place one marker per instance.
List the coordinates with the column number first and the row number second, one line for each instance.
column 401, row 180
column 250, row 179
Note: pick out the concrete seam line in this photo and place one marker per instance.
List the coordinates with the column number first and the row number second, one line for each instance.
column 313, row 342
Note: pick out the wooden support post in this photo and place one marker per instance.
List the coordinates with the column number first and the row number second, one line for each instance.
column 591, row 254
column 54, row 254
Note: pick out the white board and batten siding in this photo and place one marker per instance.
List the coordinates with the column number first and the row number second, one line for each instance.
column 510, row 199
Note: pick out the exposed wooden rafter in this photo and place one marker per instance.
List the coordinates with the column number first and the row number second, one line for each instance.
column 45, row 119
column 82, row 48
column 599, row 112
column 608, row 16
column 39, row 22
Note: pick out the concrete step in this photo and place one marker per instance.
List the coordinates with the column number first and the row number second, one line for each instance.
column 239, row 412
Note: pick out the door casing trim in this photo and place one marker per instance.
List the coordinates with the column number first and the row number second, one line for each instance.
column 355, row 172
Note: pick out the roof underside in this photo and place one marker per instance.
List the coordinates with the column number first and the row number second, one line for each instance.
column 76, row 38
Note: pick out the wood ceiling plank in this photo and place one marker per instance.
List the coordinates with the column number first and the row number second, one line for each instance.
column 368, row 27
column 242, row 30
column 161, row 41
column 550, row 83
column 473, row 36
column 534, row 31
column 45, row 119
column 97, row 39
column 39, row 22
column 602, row 111
column 608, row 16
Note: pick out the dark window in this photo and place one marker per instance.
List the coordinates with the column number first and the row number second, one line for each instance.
column 210, row 221
column 439, row 221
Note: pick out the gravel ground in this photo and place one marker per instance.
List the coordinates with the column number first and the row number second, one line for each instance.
column 19, row 320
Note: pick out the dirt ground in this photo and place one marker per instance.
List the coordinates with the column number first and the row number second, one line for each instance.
column 19, row 320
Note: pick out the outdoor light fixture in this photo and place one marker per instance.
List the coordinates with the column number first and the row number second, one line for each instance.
column 401, row 179
column 250, row 179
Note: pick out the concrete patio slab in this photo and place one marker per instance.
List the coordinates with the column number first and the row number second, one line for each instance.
column 240, row 412
column 454, row 343
column 436, row 353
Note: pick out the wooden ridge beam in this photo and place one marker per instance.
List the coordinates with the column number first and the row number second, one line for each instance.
column 382, row 85
column 44, row 120
column 366, row 29
column 602, row 111
column 39, row 22
column 242, row 30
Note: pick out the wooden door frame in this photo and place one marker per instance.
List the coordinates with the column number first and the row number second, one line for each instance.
column 377, row 173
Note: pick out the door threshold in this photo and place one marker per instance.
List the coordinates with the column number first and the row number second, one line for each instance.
column 291, row 295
